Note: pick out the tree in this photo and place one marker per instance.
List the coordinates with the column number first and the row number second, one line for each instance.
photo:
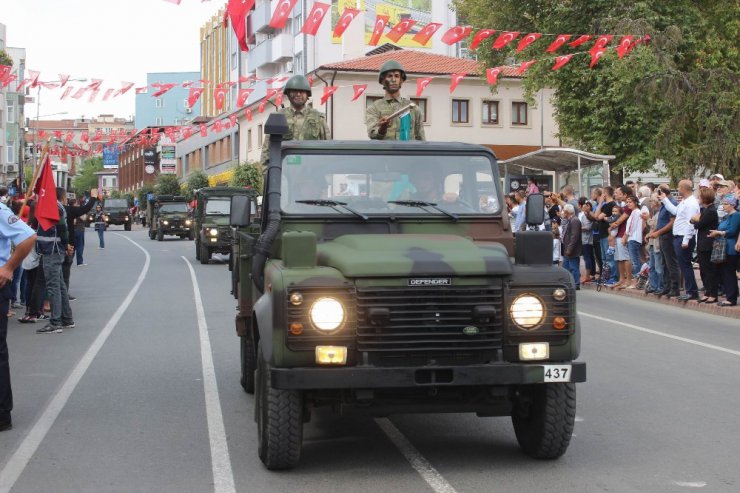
column 142, row 194
column 196, row 180
column 5, row 59
column 167, row 184
column 673, row 98
column 86, row 179
column 247, row 174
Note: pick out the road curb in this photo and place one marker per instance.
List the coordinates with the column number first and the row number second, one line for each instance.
column 724, row 311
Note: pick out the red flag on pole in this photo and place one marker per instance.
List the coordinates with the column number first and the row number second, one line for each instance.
column 314, row 18
column 528, row 40
column 243, row 96
column 480, row 36
column 344, row 20
column 380, row 22
column 455, row 80
column 219, row 95
column 601, row 42
column 561, row 61
column 400, row 29
column 248, row 114
column 524, row 66
column 328, row 91
column 596, row 56
column 237, row 11
column 455, row 34
column 559, row 41
column 125, row 87
column 504, row 39
column 492, row 75
column 194, row 94
column 422, row 84
column 359, row 90
column 625, row 45
column 63, row 79
column 581, row 39
column 163, row 88
column 47, row 211
column 66, row 92
column 282, row 13
column 203, row 130
column 108, row 93
column 426, row 33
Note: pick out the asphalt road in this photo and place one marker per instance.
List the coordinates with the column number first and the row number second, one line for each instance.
column 144, row 395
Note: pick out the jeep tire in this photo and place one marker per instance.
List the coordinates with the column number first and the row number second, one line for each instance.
column 543, row 417
column 160, row 235
column 127, row 227
column 151, row 235
column 279, row 415
column 205, row 254
column 249, row 365
column 191, row 235
column 197, row 250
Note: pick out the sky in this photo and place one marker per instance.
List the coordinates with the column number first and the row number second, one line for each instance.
column 113, row 40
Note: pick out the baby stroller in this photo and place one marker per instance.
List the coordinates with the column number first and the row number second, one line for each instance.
column 642, row 277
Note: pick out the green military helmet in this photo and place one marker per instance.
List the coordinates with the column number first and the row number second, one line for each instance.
column 297, row 83
column 391, row 65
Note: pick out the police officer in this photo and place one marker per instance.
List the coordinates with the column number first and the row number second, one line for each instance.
column 407, row 126
column 304, row 123
column 15, row 230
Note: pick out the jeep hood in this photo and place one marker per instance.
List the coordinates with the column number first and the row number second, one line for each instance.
column 412, row 254
column 216, row 220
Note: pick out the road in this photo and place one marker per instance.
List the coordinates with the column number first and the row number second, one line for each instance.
column 144, row 395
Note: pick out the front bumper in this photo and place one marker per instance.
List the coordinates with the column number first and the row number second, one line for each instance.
column 432, row 376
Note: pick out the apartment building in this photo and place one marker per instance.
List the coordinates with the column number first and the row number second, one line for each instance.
column 171, row 108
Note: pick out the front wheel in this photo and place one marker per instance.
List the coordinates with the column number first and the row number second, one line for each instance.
column 543, row 417
column 127, row 227
column 205, row 254
column 249, row 364
column 160, row 235
column 279, row 416
column 197, row 251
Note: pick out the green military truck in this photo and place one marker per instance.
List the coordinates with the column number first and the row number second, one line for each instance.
column 169, row 215
column 384, row 275
column 117, row 213
column 213, row 233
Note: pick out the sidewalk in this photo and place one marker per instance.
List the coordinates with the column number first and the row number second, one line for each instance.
column 724, row 311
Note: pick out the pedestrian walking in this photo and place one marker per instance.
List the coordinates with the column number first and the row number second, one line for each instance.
column 16, row 231
column 99, row 220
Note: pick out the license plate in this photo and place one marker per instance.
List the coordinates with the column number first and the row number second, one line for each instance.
column 557, row 373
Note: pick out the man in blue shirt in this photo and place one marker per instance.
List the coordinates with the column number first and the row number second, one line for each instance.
column 16, row 231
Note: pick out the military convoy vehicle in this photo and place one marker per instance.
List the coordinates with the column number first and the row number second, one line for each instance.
column 384, row 275
column 169, row 215
column 117, row 213
column 213, row 234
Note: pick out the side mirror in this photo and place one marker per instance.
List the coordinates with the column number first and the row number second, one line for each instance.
column 240, row 213
column 535, row 209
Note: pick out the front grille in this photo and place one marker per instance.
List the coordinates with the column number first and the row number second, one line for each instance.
column 428, row 324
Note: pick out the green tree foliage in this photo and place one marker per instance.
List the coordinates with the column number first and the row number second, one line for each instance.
column 86, row 179
column 143, row 192
column 5, row 59
column 675, row 98
column 167, row 185
column 247, row 174
column 196, row 180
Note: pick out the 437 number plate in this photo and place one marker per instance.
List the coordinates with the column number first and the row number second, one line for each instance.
column 557, row 373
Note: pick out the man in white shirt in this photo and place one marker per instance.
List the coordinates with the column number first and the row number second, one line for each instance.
column 684, row 235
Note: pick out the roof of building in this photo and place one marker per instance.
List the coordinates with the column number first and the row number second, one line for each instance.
column 415, row 62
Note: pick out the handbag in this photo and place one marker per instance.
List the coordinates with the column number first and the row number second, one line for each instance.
column 719, row 250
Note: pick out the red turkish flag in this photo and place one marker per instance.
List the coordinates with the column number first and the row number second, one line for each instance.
column 528, row 40
column 69, row 136
column 63, row 80
column 47, row 211
column 559, row 41
column 79, row 93
column 328, row 91
column 525, row 66
column 93, row 95
column 359, row 90
column 456, row 34
column 141, row 90
column 42, row 134
column 314, row 18
column 203, row 130
column 425, row 34
column 625, row 45
column 187, row 84
column 125, row 87
column 232, row 120
column 243, row 95
column 380, row 22
column 187, row 133
column 581, row 39
column 237, row 10
column 4, row 71
column 218, row 126
column 421, row 84
column 561, row 61
column 282, row 13
column 95, row 84
column 194, row 94
column 98, row 135
column 400, row 29
column 248, row 114
column 66, row 92
column 455, row 80
column 504, row 39
column 271, row 93
column 244, row 80
column 480, row 36
column 163, row 88
column 108, row 93
column 492, row 75
column 601, row 42
column 279, row 99
column 596, row 56
column 85, row 137
column 261, row 107
column 219, row 95
column 344, row 20
column 58, row 134
column 34, row 77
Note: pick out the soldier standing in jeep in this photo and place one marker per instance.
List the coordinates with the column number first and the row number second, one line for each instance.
column 380, row 125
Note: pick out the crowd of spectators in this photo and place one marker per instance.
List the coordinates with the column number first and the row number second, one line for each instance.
column 646, row 237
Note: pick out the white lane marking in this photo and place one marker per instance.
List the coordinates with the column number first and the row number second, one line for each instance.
column 20, row 458
column 417, row 461
column 663, row 334
column 690, row 484
column 223, row 477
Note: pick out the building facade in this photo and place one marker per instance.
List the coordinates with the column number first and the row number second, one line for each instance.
column 215, row 45
column 171, row 108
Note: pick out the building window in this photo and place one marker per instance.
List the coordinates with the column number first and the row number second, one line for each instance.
column 460, row 111
column 421, row 103
column 11, row 111
column 518, row 113
column 249, row 139
column 489, row 112
column 259, row 135
column 159, row 103
column 185, row 103
column 159, row 121
column 10, row 145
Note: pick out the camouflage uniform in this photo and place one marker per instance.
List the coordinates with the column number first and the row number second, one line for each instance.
column 386, row 106
column 306, row 124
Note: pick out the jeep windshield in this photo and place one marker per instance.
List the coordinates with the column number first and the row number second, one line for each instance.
column 384, row 184
column 170, row 208
column 218, row 207
column 113, row 204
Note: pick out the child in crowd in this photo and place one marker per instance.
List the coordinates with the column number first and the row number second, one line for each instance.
column 555, row 244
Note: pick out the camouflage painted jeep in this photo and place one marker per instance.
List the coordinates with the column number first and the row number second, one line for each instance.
column 211, row 220
column 385, row 276
column 169, row 215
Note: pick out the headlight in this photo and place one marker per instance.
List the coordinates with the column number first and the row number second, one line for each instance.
column 165, row 222
column 327, row 314
column 188, row 222
column 213, row 232
column 527, row 311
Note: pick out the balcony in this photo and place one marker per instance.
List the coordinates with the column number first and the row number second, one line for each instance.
column 260, row 55
column 261, row 17
column 282, row 47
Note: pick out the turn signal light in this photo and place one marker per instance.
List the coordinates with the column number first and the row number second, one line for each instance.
column 558, row 323
column 296, row 328
column 331, row 355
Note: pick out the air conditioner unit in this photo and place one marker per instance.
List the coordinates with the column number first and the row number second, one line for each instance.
column 188, row 110
column 11, row 168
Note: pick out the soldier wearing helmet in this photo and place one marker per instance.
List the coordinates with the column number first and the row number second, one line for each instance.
column 304, row 123
column 407, row 126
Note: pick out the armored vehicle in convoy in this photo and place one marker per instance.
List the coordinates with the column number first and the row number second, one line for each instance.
column 117, row 213
column 384, row 275
column 169, row 215
column 211, row 220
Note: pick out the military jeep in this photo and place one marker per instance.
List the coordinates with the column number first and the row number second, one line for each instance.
column 117, row 213
column 211, row 220
column 384, row 275
column 169, row 215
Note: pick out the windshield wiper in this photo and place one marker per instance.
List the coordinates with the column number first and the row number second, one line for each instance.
column 333, row 204
column 421, row 204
